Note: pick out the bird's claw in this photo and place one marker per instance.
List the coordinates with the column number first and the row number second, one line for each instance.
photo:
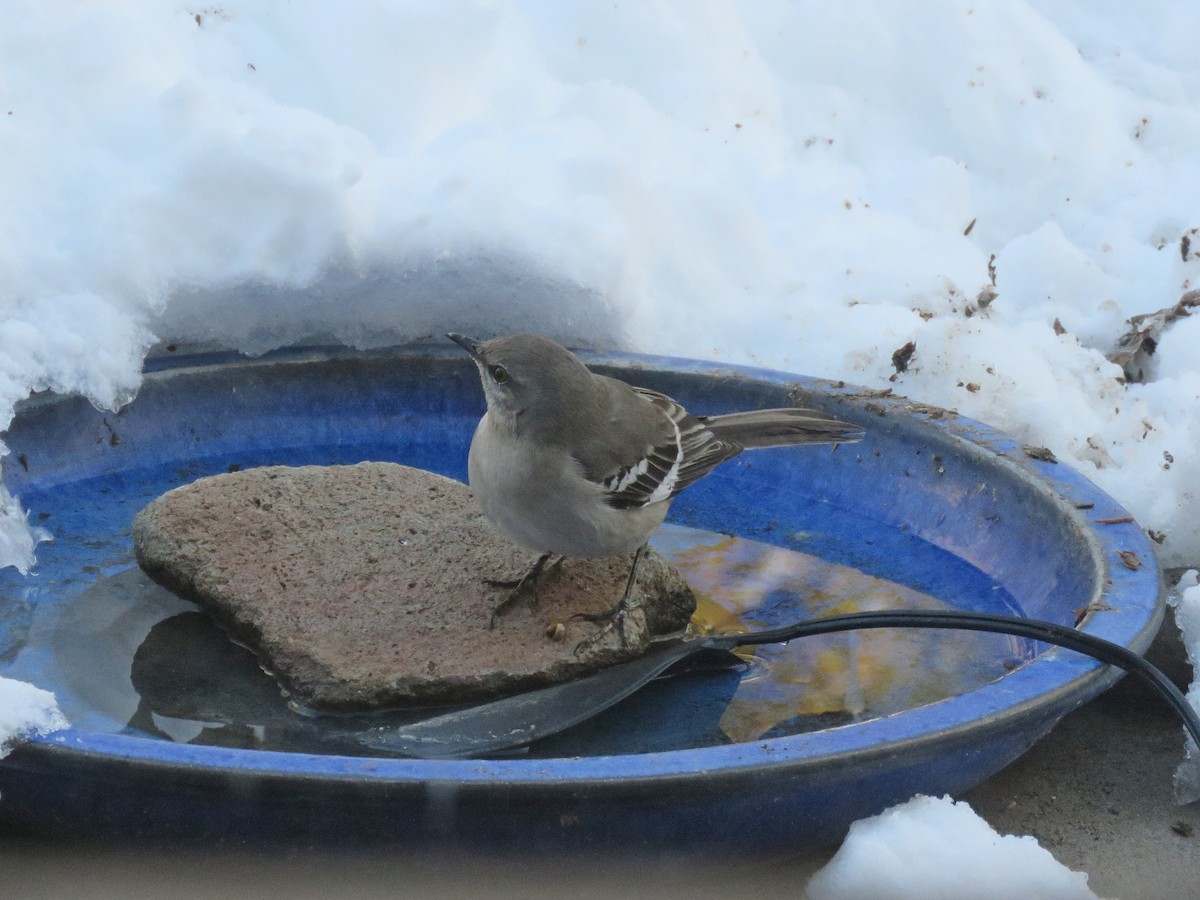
column 504, row 582
column 615, row 620
column 522, row 587
column 527, row 583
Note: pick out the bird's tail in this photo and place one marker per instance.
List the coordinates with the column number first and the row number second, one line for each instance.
column 782, row 428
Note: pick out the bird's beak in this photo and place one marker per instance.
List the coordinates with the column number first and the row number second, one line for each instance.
column 469, row 344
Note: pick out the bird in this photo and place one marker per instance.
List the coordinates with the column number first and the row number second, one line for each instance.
column 571, row 463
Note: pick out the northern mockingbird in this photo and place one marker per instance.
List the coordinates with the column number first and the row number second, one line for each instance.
column 570, row 463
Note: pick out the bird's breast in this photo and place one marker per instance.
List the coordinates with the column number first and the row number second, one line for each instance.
column 538, row 496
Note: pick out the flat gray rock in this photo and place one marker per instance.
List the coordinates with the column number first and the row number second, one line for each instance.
column 366, row 586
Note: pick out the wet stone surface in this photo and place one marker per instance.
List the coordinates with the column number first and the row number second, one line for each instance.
column 367, row 586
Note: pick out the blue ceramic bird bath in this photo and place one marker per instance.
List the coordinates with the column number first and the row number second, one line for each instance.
column 938, row 505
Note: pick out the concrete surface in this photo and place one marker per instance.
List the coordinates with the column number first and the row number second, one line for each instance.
column 1096, row 792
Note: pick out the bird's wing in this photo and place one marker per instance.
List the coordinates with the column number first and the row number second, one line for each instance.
column 680, row 450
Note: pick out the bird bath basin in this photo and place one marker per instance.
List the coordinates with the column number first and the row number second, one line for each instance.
column 930, row 510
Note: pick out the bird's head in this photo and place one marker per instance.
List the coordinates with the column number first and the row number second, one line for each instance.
column 528, row 380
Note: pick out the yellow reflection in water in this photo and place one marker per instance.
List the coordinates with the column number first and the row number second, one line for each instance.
column 825, row 680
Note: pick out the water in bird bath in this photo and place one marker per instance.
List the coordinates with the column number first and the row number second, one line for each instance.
column 124, row 655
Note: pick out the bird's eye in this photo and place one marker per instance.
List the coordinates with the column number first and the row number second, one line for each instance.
column 499, row 374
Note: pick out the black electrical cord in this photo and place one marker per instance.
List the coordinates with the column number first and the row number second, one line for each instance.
column 519, row 719
column 1047, row 632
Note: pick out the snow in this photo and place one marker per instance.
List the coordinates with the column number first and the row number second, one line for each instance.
column 779, row 183
column 26, row 710
column 799, row 185
column 1186, row 600
column 931, row 848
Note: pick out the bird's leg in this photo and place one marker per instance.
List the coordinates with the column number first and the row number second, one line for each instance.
column 526, row 582
column 517, row 582
column 615, row 617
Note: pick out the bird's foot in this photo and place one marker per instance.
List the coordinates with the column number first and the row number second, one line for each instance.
column 614, row 619
column 505, row 582
column 526, row 584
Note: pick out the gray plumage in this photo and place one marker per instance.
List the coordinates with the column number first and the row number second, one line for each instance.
column 572, row 463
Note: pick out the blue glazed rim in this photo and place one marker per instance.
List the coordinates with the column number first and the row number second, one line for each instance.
column 1044, row 689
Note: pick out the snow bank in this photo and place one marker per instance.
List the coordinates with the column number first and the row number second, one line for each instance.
column 791, row 184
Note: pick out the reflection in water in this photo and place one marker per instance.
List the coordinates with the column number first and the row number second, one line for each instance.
column 135, row 658
column 829, row 679
column 92, row 644
column 197, row 686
